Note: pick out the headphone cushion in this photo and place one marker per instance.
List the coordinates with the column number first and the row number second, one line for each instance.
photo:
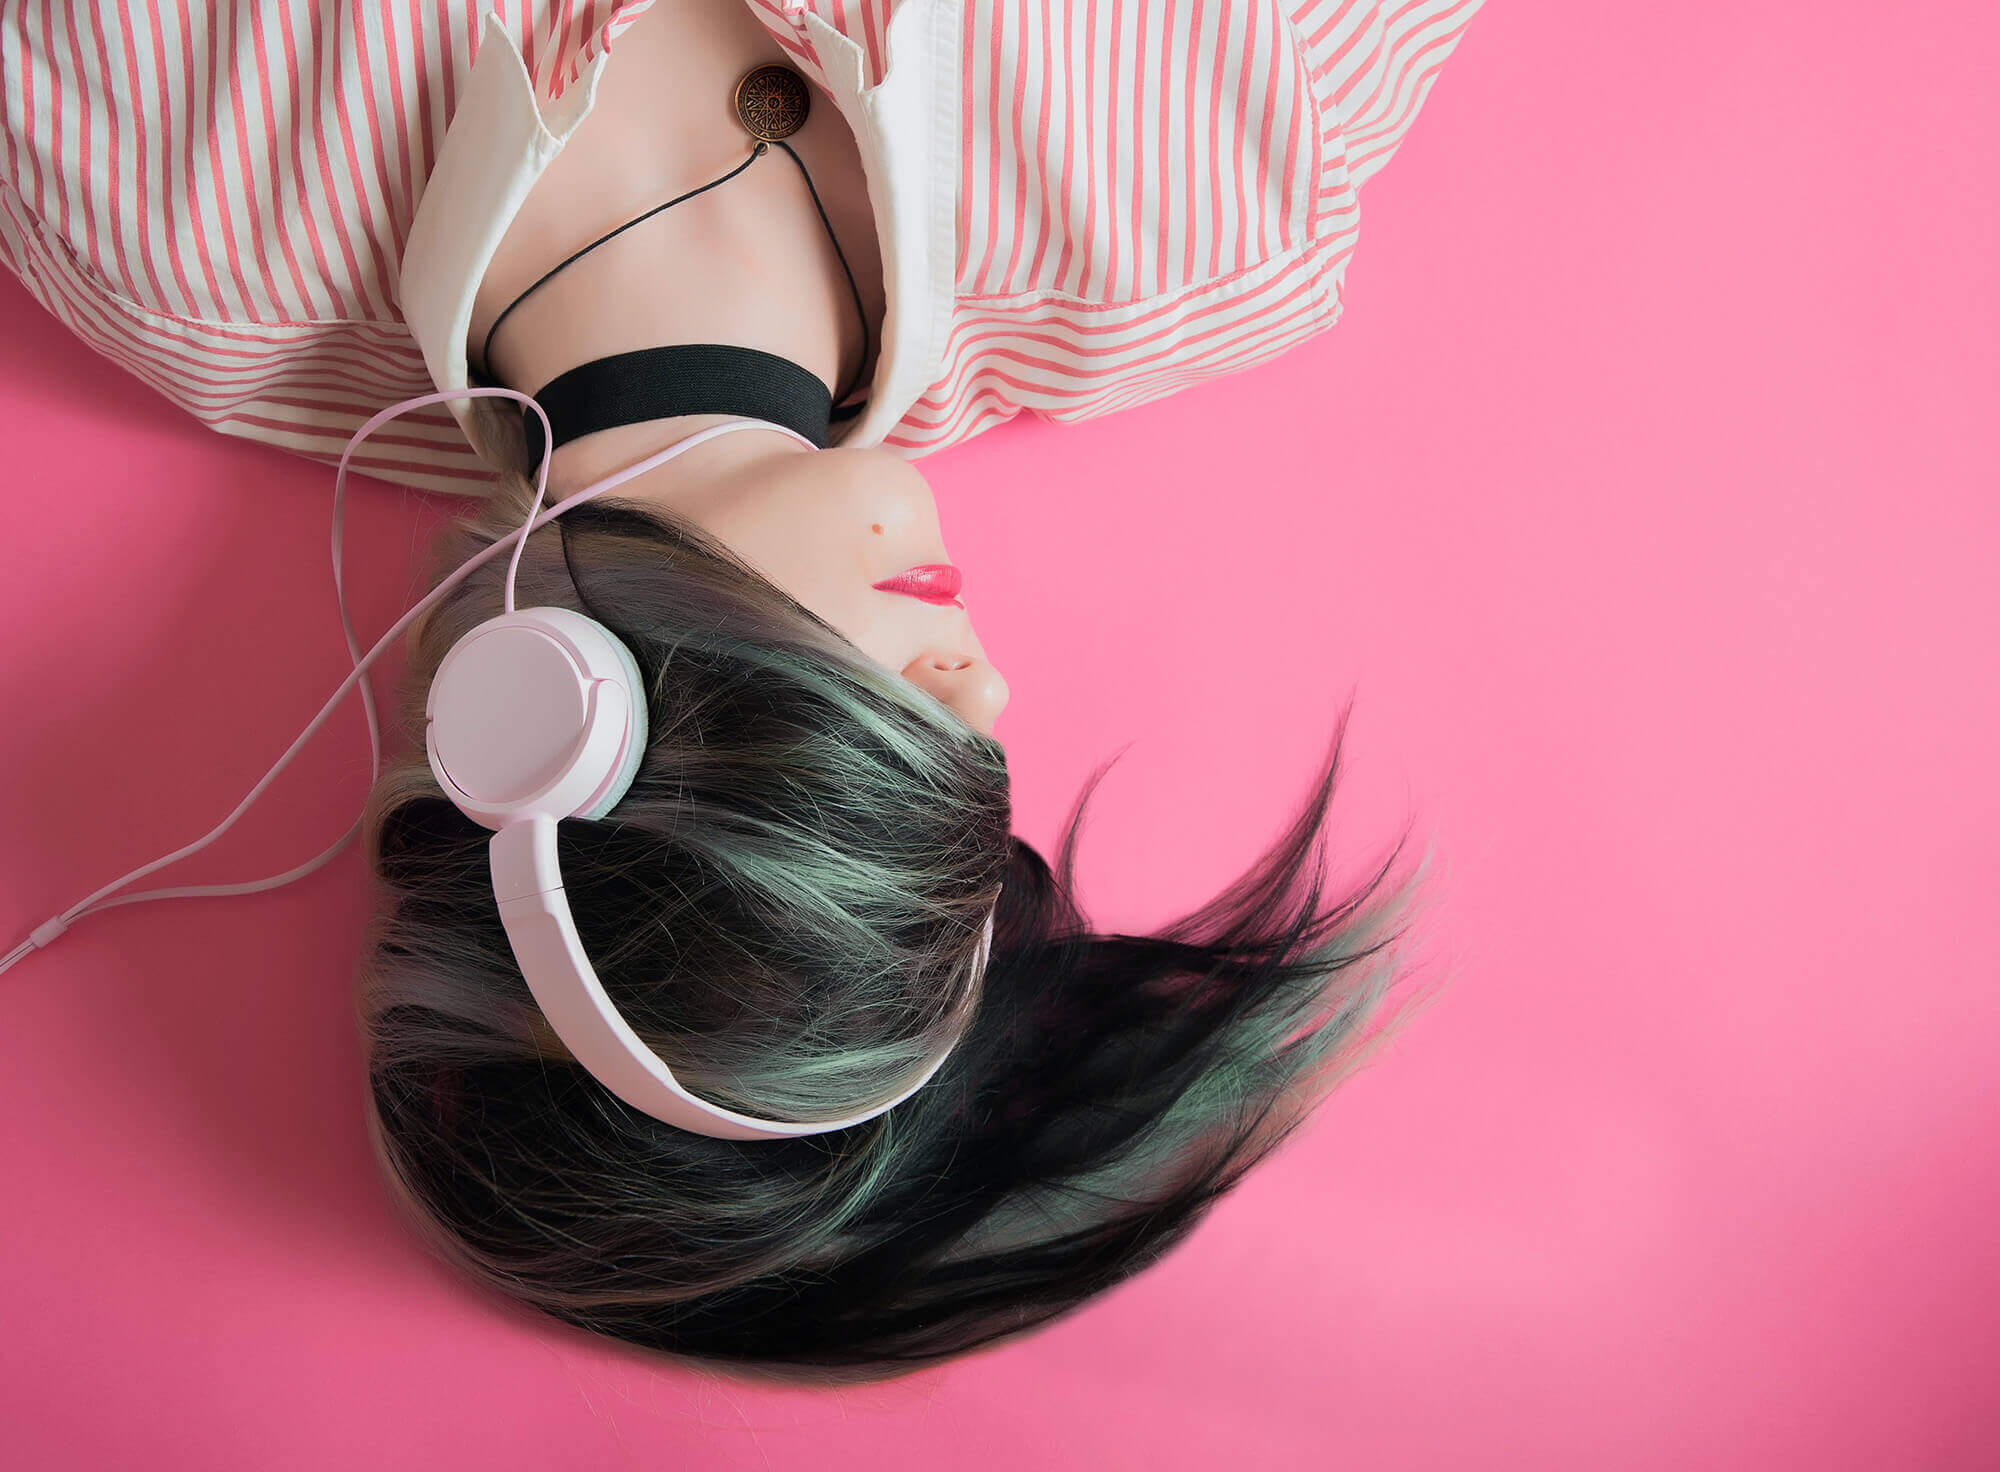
column 635, row 742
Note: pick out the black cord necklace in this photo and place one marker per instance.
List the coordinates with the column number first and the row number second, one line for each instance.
column 772, row 103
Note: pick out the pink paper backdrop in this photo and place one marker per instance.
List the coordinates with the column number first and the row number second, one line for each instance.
column 1645, row 499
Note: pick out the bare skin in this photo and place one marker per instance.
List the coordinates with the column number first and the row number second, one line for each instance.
column 746, row 263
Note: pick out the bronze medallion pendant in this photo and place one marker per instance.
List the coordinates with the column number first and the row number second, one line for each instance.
column 772, row 102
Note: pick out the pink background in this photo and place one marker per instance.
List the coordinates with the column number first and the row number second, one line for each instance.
column 1645, row 500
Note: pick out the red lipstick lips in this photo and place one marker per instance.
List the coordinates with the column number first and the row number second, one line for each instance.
column 934, row 582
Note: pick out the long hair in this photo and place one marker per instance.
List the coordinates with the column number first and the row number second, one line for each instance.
column 786, row 907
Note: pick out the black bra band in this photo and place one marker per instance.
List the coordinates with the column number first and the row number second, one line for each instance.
column 683, row 378
column 691, row 377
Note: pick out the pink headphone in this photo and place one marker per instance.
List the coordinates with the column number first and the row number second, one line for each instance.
column 534, row 716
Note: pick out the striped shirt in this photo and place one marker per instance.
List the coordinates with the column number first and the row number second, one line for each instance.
column 217, row 194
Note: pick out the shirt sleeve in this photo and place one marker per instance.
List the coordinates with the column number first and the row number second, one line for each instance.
column 1373, row 63
column 1206, row 229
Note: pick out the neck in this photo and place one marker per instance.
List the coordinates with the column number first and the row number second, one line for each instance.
column 685, row 484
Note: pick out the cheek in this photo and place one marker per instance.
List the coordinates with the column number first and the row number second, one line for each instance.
column 803, row 547
column 882, row 490
column 824, row 567
column 898, row 519
column 868, row 624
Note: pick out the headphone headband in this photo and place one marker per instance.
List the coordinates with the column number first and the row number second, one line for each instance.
column 537, row 916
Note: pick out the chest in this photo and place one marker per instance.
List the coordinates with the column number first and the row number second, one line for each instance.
column 664, row 121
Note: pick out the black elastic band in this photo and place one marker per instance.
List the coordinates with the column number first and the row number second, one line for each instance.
column 689, row 378
column 681, row 378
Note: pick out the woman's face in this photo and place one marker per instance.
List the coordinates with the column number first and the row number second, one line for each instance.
column 827, row 526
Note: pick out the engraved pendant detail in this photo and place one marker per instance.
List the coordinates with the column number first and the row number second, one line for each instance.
column 772, row 102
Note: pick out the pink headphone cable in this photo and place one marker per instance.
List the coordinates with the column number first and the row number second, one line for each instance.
column 45, row 933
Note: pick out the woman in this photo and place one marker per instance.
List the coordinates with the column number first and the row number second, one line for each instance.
column 286, row 220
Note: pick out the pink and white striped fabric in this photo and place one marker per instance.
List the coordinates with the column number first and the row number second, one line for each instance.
column 215, row 194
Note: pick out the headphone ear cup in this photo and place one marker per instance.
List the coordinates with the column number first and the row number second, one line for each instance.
column 635, row 729
column 539, row 713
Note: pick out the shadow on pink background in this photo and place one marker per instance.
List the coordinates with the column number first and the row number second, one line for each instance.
column 1645, row 500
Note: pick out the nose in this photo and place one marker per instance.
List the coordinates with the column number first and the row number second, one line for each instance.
column 967, row 683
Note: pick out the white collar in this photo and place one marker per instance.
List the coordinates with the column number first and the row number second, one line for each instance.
column 500, row 141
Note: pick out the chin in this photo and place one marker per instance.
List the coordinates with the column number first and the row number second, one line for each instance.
column 874, row 469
